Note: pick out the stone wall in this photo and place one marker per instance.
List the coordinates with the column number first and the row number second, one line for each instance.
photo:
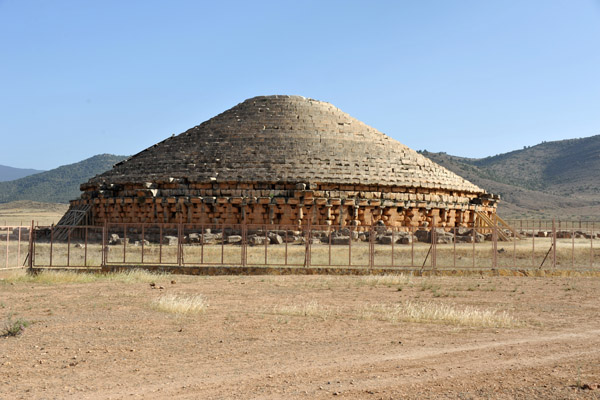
column 283, row 204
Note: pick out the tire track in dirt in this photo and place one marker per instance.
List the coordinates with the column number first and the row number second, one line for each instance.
column 364, row 373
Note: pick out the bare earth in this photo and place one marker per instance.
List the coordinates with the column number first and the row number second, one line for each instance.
column 308, row 337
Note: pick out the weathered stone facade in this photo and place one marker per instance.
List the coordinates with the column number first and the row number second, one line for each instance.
column 283, row 160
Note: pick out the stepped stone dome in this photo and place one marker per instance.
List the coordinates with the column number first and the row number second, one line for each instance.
column 285, row 139
column 271, row 159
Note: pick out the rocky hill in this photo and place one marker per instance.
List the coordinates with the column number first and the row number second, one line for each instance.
column 58, row 185
column 552, row 179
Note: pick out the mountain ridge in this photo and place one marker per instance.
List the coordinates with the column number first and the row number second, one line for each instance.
column 8, row 173
column 550, row 179
column 58, row 185
column 558, row 179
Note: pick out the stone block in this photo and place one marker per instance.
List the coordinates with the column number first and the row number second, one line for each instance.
column 464, row 239
column 170, row 240
column 405, row 239
column 234, row 239
column 114, row 239
column 385, row 239
column 445, row 237
column 422, row 235
column 274, row 238
column 340, row 240
column 256, row 240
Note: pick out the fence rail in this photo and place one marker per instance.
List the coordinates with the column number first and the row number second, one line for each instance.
column 14, row 246
column 547, row 224
column 315, row 246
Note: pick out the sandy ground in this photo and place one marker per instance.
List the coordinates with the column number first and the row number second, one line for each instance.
column 307, row 337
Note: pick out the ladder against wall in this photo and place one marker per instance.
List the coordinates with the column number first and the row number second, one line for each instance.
column 75, row 216
column 483, row 221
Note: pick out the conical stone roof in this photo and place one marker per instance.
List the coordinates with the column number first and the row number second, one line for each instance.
column 289, row 139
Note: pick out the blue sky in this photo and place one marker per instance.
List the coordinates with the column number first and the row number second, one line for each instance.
column 471, row 78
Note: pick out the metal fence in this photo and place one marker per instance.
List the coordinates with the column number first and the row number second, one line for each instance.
column 14, row 246
column 558, row 224
column 315, row 246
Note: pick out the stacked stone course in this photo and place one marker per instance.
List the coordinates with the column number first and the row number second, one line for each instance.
column 288, row 207
column 283, row 160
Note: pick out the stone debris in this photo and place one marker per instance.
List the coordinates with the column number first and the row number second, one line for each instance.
column 170, row 240
column 237, row 239
column 274, row 238
column 340, row 240
column 256, row 240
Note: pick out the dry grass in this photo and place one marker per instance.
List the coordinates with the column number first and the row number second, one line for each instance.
column 134, row 276
column 310, row 309
column 427, row 313
column 385, row 280
column 432, row 312
column 68, row 277
column 50, row 277
column 180, row 304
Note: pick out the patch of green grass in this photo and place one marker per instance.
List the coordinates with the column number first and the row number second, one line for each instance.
column 435, row 289
column 426, row 285
column 13, row 327
column 435, row 293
